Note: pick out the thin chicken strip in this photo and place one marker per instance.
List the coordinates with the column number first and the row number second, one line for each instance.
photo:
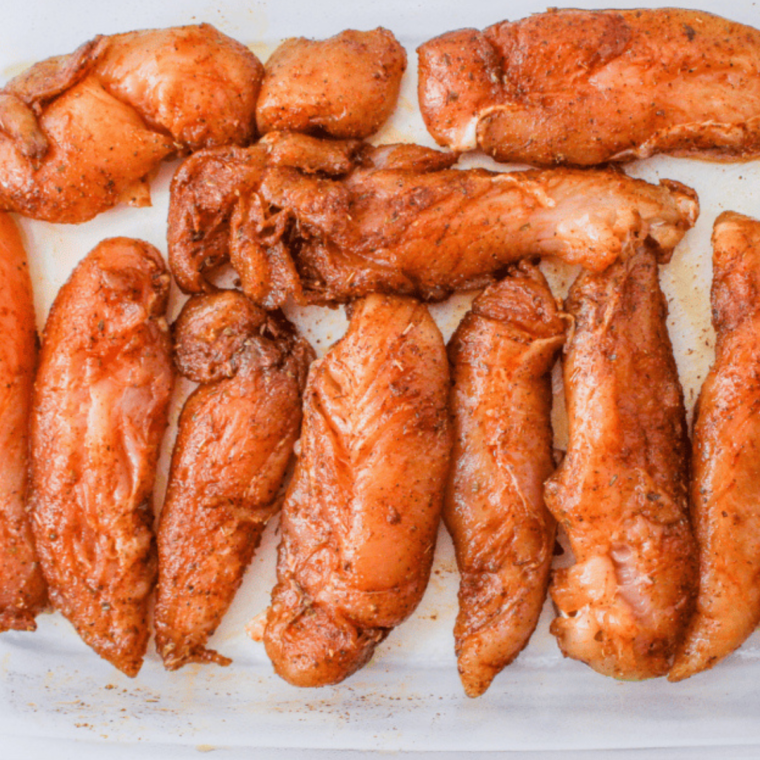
column 235, row 440
column 329, row 222
column 361, row 515
column 22, row 587
column 101, row 399
column 501, row 356
column 621, row 491
column 725, row 490
column 82, row 132
column 585, row 87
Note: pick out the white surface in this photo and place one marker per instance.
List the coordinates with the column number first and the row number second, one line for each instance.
column 57, row 696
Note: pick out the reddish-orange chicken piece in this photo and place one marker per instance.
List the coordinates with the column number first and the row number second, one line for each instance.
column 82, row 132
column 235, row 440
column 725, row 488
column 621, row 492
column 501, row 355
column 585, row 87
column 101, row 399
column 327, row 221
column 361, row 514
column 344, row 86
column 22, row 587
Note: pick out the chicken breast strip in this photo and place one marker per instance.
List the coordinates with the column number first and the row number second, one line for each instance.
column 501, row 355
column 329, row 222
column 235, row 440
column 621, row 491
column 360, row 93
column 361, row 514
column 725, row 489
column 585, row 87
column 22, row 588
column 82, row 132
column 100, row 409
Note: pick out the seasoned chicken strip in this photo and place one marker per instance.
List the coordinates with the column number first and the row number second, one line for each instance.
column 235, row 440
column 22, row 587
column 100, row 409
column 395, row 220
column 360, row 93
column 361, row 514
column 621, row 491
column 725, row 490
column 82, row 132
column 501, row 356
column 584, row 87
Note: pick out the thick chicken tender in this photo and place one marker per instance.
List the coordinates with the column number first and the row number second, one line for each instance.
column 585, row 87
column 344, row 86
column 82, row 132
column 22, row 587
column 725, row 489
column 235, row 440
column 101, row 400
column 327, row 222
column 502, row 355
column 361, row 514
column 621, row 490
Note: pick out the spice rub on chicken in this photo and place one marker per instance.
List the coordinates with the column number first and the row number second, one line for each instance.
column 621, row 490
column 361, row 514
column 344, row 86
column 235, row 441
column 22, row 586
column 330, row 221
column 725, row 489
column 80, row 133
column 101, row 400
column 585, row 87
column 501, row 355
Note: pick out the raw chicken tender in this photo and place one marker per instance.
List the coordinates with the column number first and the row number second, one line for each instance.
column 361, row 514
column 235, row 440
column 725, row 491
column 101, row 400
column 345, row 86
column 502, row 355
column 585, row 87
column 621, row 490
column 82, row 132
column 22, row 587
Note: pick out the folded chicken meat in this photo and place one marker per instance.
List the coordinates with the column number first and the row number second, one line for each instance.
column 331, row 221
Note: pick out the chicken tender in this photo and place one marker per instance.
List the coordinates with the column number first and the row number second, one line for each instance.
column 235, row 440
column 100, row 407
column 83, row 132
column 585, row 87
column 502, row 355
column 353, row 99
column 22, row 587
column 725, row 489
column 621, row 491
column 395, row 219
column 361, row 514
